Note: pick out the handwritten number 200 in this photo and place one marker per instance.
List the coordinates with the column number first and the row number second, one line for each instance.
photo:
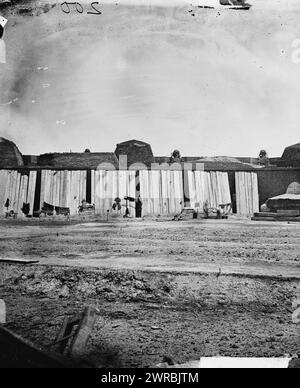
column 65, row 7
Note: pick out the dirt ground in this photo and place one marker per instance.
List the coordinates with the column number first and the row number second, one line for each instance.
column 184, row 289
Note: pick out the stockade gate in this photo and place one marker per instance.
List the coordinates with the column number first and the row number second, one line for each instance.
column 161, row 191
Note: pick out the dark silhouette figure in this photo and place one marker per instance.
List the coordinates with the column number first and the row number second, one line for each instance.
column 138, row 207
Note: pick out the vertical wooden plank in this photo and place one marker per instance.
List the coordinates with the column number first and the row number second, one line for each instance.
column 192, row 188
column 47, row 187
column 51, row 186
column 15, row 192
column 164, row 206
column 237, row 193
column 7, row 190
column 93, row 187
column 255, row 192
column 109, row 190
column 199, row 190
column 120, row 191
column 20, row 197
column 43, row 184
column 4, row 180
column 155, row 191
column 144, row 191
column 131, row 177
column 150, row 192
column 84, row 180
column 64, row 181
column 74, row 193
column 103, row 194
column 61, row 187
column 168, row 187
column 54, row 188
column 171, row 193
column 115, row 186
column 178, row 195
column 31, row 190
column 13, row 189
column 227, row 198
column 71, row 194
column 208, row 194
column 97, row 192
column 68, row 189
column 25, row 189
column 250, row 193
column 244, row 194
column 57, row 187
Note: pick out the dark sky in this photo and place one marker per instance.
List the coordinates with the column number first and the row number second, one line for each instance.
column 218, row 83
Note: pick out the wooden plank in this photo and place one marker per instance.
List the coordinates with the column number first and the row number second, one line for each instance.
column 31, row 190
column 103, row 193
column 51, row 187
column 244, row 194
column 164, row 193
column 188, row 187
column 219, row 188
column 228, row 198
column 168, row 186
column 131, row 185
column 144, row 190
column 110, row 188
column 255, row 192
column 155, row 192
column 64, row 188
column 97, row 192
column 237, row 193
column 172, row 207
column 122, row 189
column 61, row 188
column 115, row 186
column 93, row 187
column 105, row 189
column 245, row 190
column 4, row 182
column 241, row 193
column 151, row 194
column 47, row 187
column 84, row 182
column 21, row 196
column 19, row 203
column 210, row 190
column 54, row 187
column 8, row 188
column 215, row 189
column 68, row 189
column 57, row 188
column 71, row 195
column 250, row 193
column 178, row 191
column 43, row 185
column 21, row 261
column 78, row 189
column 14, row 193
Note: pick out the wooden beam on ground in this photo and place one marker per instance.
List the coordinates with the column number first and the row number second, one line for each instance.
column 17, row 261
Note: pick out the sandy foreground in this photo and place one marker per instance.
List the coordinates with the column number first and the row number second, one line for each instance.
column 184, row 289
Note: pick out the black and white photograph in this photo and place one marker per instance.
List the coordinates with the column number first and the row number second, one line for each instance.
column 150, row 187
